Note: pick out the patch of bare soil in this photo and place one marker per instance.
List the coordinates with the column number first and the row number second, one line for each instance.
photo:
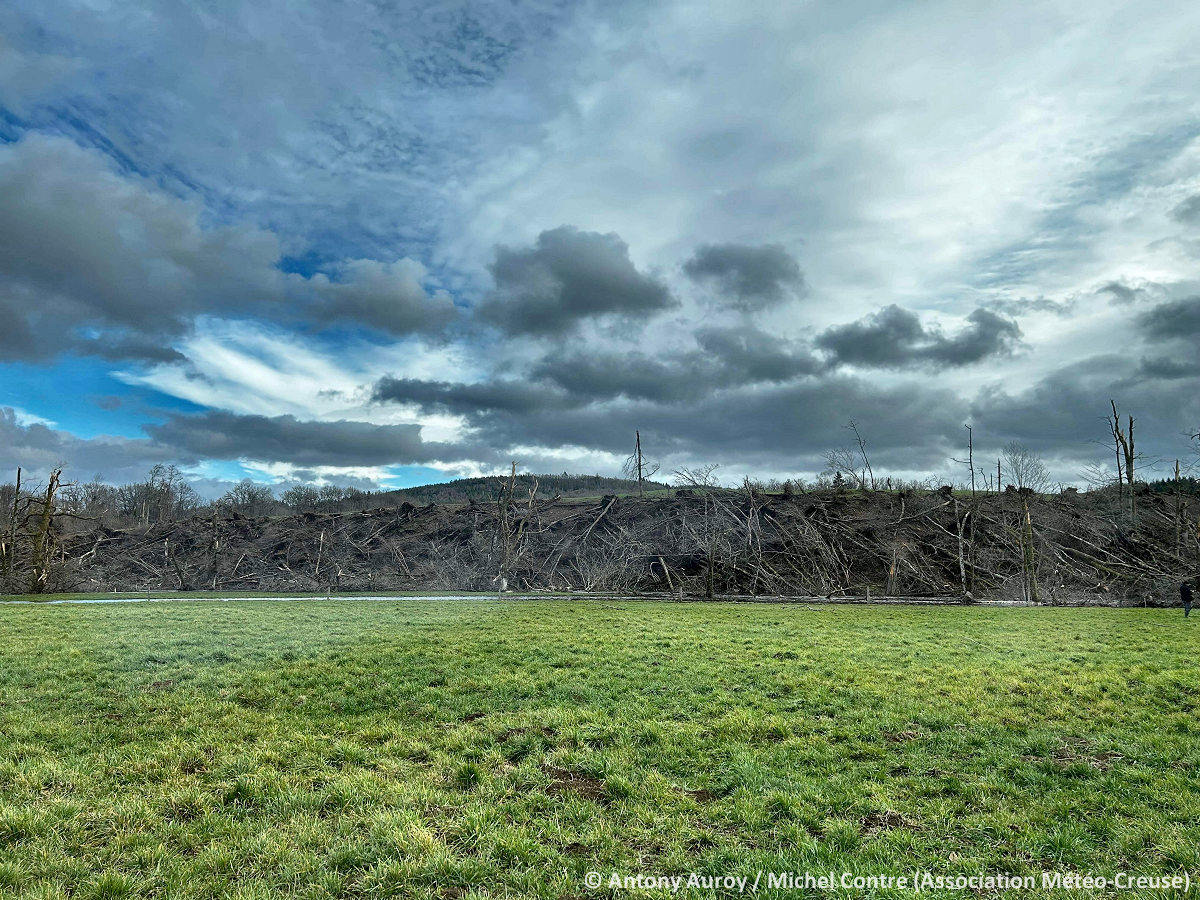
column 565, row 781
column 887, row 820
column 1077, row 750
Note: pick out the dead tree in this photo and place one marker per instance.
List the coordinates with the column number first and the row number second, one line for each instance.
column 843, row 461
column 8, row 548
column 1125, row 448
column 636, row 467
column 41, row 537
column 1026, row 468
column 868, row 472
column 967, row 567
column 1029, row 557
column 504, row 530
column 1179, row 514
column 33, row 558
column 702, row 481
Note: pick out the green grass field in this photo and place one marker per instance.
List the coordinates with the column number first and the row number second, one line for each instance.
column 499, row 749
column 111, row 596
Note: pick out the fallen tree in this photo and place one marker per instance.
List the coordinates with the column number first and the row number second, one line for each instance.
column 703, row 541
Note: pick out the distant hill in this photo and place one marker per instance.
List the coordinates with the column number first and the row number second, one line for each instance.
column 484, row 490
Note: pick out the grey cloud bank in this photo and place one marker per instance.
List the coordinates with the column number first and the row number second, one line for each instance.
column 568, row 276
column 95, row 261
column 733, row 229
column 750, row 278
column 895, row 338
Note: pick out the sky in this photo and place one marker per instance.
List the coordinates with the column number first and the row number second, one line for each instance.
column 381, row 244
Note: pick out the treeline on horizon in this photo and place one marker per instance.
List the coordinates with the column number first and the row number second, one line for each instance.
column 165, row 495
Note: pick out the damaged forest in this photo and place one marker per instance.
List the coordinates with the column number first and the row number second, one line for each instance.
column 698, row 541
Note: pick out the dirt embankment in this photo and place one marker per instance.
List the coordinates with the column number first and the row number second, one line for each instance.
column 1067, row 548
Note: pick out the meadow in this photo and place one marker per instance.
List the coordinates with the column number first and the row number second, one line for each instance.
column 425, row 748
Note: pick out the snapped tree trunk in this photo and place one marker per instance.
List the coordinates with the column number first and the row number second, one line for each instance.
column 1029, row 557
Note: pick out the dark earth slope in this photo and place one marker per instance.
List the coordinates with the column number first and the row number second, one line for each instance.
column 1062, row 548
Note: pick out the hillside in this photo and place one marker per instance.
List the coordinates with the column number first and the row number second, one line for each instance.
column 483, row 490
column 1065, row 548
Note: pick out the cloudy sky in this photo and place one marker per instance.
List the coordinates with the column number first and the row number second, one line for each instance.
column 380, row 243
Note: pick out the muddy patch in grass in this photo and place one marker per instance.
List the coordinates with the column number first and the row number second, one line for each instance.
column 1077, row 751
column 564, row 781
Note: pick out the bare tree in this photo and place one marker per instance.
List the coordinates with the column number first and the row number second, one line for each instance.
column 1029, row 559
column 1128, row 457
column 1026, row 468
column 703, row 481
column 163, row 497
column 249, row 499
column 31, row 555
column 843, row 461
column 1098, row 476
column 507, row 537
column 301, row 497
column 868, row 472
column 1128, row 450
column 637, row 467
column 8, row 547
column 969, row 583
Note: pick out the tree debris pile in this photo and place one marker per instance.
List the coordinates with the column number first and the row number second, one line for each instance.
column 705, row 541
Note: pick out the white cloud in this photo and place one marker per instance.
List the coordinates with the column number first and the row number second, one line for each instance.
column 24, row 418
column 254, row 369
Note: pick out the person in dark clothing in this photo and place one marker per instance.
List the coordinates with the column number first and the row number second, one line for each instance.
column 1185, row 593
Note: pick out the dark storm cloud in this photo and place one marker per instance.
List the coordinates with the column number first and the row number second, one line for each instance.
column 785, row 427
column 1166, row 369
column 187, row 439
column 389, row 297
column 894, row 338
column 751, row 277
column 39, row 448
column 1173, row 319
column 1187, row 212
column 748, row 355
column 726, row 358
column 595, row 377
column 568, row 276
column 223, row 435
column 103, row 263
column 465, row 399
column 1119, row 293
column 1064, row 412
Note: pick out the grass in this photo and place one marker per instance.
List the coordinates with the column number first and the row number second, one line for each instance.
column 223, row 595
column 488, row 749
